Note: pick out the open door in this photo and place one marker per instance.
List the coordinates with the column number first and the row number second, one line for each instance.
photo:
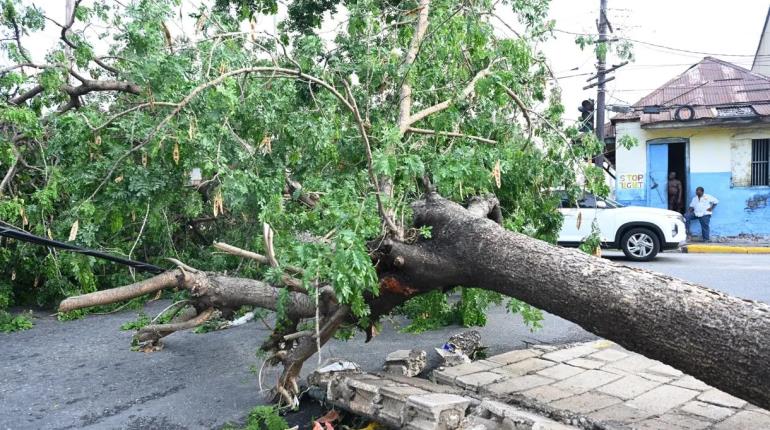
column 657, row 175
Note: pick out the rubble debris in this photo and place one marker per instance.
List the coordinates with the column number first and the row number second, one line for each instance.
column 417, row 404
column 406, row 362
column 322, row 376
column 452, row 358
column 467, row 342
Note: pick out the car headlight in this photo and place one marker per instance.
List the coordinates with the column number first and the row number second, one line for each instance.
column 677, row 217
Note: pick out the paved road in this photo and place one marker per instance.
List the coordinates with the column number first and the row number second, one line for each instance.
column 742, row 275
column 81, row 374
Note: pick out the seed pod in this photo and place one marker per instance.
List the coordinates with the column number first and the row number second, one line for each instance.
column 497, row 174
column 74, row 230
column 175, row 153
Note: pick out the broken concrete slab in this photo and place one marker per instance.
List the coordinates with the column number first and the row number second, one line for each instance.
column 406, row 362
column 475, row 380
column 393, row 401
column 441, row 411
column 510, row 417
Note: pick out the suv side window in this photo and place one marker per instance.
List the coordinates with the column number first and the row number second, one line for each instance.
column 587, row 202
column 567, row 203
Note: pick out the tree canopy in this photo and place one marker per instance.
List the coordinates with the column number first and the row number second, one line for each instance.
column 99, row 137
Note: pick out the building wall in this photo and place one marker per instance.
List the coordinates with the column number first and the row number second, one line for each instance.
column 719, row 161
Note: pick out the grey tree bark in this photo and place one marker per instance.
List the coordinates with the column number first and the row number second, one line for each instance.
column 720, row 339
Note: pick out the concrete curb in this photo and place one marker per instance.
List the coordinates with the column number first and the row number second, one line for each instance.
column 724, row 249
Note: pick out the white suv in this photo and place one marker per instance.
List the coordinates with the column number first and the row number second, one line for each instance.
column 641, row 232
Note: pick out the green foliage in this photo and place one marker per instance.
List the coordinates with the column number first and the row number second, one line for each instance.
column 10, row 323
column 267, row 418
column 141, row 320
column 627, row 141
column 531, row 315
column 262, row 418
column 591, row 242
column 433, row 310
column 247, row 131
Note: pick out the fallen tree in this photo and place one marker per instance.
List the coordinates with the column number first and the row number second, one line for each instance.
column 715, row 337
column 328, row 145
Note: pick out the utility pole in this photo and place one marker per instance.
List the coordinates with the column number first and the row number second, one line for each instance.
column 601, row 72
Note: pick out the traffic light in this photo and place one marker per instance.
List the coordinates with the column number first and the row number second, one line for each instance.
column 587, row 116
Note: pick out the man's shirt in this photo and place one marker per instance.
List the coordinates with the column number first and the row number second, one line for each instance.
column 702, row 204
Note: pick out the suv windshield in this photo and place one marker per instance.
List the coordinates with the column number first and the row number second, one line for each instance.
column 611, row 203
column 588, row 201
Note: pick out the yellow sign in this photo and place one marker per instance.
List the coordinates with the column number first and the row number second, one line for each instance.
column 633, row 181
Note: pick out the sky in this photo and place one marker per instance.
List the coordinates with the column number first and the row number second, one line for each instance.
column 712, row 26
column 729, row 30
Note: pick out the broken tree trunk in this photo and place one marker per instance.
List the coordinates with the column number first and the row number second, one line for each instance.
column 722, row 340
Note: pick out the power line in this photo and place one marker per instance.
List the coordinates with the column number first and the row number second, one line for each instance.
column 671, row 48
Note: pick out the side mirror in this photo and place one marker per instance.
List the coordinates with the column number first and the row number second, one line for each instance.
column 601, row 204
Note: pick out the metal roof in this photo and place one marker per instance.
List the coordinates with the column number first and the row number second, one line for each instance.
column 706, row 86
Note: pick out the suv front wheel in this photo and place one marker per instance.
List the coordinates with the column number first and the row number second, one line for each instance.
column 640, row 244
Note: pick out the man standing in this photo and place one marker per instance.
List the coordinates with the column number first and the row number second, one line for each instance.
column 701, row 208
column 674, row 193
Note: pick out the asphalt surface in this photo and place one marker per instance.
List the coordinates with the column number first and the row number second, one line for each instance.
column 82, row 374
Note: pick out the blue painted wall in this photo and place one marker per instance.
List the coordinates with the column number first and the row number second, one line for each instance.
column 741, row 210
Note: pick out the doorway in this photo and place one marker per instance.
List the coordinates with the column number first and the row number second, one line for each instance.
column 665, row 156
column 677, row 164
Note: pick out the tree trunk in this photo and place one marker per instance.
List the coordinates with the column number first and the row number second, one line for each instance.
column 720, row 339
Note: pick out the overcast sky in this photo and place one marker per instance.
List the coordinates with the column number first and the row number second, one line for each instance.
column 718, row 27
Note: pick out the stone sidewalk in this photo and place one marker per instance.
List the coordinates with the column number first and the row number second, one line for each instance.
column 601, row 385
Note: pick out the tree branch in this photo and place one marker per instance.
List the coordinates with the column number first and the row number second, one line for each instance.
column 164, row 280
column 90, row 85
column 127, row 111
column 294, row 283
column 154, row 332
column 21, row 98
column 405, row 93
column 446, row 103
column 17, row 37
column 449, row 134
column 253, row 255
column 282, row 73
column 9, row 176
column 386, row 218
column 524, row 109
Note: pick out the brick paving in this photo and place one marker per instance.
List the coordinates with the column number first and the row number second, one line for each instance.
column 600, row 384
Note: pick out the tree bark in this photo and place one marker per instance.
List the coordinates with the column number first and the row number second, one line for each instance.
column 720, row 339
